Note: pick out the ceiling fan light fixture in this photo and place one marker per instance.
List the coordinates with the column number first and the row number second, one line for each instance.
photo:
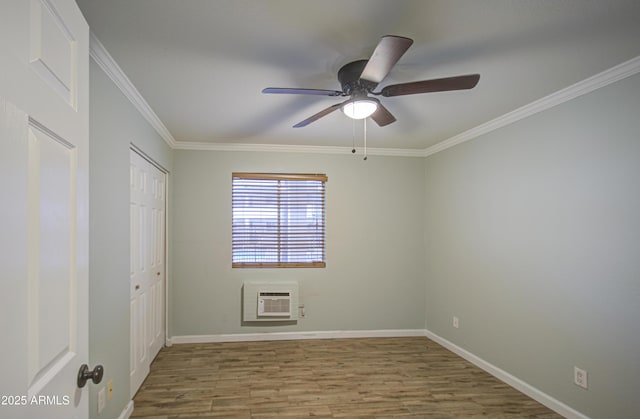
column 360, row 108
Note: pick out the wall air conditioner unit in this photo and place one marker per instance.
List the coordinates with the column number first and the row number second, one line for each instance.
column 270, row 301
column 274, row 303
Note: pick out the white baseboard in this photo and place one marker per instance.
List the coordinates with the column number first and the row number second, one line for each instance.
column 515, row 382
column 128, row 411
column 334, row 334
column 500, row 374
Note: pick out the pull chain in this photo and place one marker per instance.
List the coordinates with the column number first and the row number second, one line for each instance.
column 353, row 136
column 365, row 138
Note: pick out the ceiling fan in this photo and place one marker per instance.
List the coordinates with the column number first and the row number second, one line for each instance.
column 359, row 79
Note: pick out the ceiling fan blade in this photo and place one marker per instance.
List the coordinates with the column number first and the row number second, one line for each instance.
column 317, row 116
column 295, row 91
column 382, row 116
column 384, row 57
column 436, row 85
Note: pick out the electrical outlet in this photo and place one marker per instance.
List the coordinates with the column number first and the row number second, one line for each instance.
column 456, row 322
column 301, row 313
column 580, row 377
column 101, row 400
column 109, row 389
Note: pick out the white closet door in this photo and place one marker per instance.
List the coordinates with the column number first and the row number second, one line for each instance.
column 147, row 211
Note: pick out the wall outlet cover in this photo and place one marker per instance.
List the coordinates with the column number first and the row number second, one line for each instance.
column 580, row 377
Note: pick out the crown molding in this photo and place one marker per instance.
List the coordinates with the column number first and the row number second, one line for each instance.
column 105, row 61
column 101, row 56
column 280, row 148
column 612, row 75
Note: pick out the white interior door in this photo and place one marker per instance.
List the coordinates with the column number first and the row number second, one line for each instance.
column 44, row 119
column 148, row 200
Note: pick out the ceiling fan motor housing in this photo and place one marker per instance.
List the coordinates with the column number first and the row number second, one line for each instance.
column 352, row 84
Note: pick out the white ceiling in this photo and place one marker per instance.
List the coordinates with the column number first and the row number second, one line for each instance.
column 201, row 64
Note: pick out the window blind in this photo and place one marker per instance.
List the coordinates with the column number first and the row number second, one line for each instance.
column 278, row 220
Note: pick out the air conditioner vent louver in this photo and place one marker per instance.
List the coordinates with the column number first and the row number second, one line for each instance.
column 274, row 303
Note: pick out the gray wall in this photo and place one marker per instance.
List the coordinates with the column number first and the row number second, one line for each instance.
column 529, row 234
column 374, row 275
column 533, row 241
column 114, row 124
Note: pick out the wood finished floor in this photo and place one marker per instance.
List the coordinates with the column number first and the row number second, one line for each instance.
column 337, row 378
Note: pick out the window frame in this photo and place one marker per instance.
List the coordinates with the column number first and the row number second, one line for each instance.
column 278, row 247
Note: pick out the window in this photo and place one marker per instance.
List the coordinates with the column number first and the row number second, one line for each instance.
column 278, row 220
